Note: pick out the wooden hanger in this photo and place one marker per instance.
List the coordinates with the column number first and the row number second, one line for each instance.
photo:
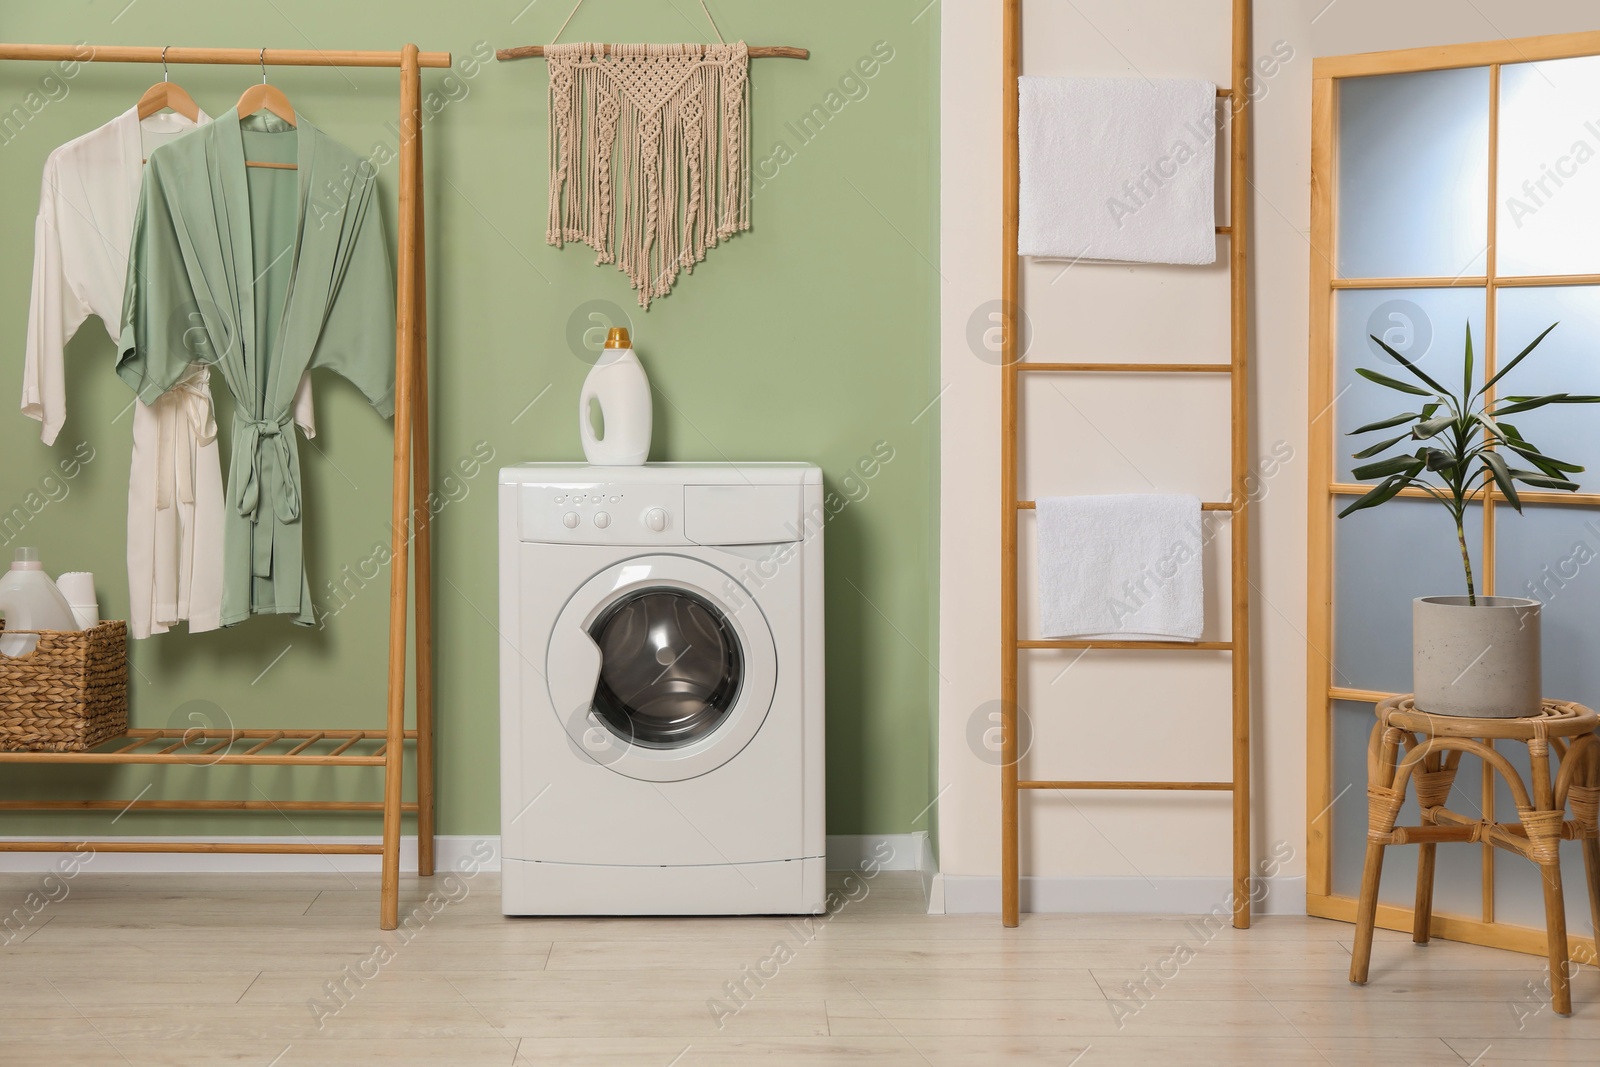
column 266, row 97
column 169, row 95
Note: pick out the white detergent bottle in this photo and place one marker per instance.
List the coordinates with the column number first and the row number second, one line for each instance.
column 618, row 382
column 30, row 601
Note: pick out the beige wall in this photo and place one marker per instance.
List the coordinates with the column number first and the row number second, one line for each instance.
column 1147, row 850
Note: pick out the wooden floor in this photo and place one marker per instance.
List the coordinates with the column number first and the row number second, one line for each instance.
column 290, row 970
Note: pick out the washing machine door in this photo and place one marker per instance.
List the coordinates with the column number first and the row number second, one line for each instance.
column 661, row 668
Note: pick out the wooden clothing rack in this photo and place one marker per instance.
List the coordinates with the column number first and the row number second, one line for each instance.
column 1238, row 643
column 313, row 748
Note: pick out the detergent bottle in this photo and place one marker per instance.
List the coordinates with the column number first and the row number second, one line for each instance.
column 29, row 600
column 619, row 384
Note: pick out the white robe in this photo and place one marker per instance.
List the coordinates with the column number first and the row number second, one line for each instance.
column 80, row 263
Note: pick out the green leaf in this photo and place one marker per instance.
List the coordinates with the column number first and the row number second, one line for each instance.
column 1528, row 403
column 1429, row 409
column 1542, row 482
column 1438, row 459
column 1502, row 478
column 1548, row 464
column 1501, row 373
column 1432, row 427
column 1392, row 383
column 1373, row 450
column 1380, row 495
column 1407, row 465
column 1466, row 374
column 1413, row 368
column 1385, row 424
column 1524, row 403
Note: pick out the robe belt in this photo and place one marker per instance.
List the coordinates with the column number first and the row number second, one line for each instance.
column 261, row 444
column 188, row 401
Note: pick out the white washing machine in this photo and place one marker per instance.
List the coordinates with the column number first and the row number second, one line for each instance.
column 661, row 689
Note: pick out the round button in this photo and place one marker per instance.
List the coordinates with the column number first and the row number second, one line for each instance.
column 602, row 520
column 570, row 520
column 656, row 519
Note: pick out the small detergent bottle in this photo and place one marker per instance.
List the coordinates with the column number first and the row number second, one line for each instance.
column 29, row 600
column 618, row 382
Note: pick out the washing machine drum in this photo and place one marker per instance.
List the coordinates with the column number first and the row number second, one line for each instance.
column 661, row 668
column 670, row 668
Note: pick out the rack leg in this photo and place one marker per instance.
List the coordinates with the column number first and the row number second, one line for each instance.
column 1239, row 532
column 1010, row 295
column 405, row 349
column 423, row 559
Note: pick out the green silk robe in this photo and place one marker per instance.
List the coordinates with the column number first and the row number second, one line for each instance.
column 262, row 272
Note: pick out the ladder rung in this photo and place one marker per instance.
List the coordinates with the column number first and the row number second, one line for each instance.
column 1208, row 505
column 1128, row 368
column 1211, row 787
column 1221, row 92
column 1146, row 646
column 1224, row 229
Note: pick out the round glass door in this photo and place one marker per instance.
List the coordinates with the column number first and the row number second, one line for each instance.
column 661, row 668
column 671, row 668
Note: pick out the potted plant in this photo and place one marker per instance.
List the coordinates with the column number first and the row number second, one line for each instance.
column 1473, row 655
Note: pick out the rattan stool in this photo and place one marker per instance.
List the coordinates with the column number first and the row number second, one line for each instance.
column 1434, row 745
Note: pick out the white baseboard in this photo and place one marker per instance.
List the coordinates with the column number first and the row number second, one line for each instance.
column 980, row 895
column 892, row 852
column 932, row 886
column 450, row 851
column 946, row 893
column 904, row 852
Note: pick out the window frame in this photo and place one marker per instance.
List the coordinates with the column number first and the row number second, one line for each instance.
column 1326, row 494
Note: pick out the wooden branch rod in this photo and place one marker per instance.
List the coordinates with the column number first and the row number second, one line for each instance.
column 241, row 57
column 776, row 51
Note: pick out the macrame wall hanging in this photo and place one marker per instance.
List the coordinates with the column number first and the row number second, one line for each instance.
column 649, row 151
column 649, row 154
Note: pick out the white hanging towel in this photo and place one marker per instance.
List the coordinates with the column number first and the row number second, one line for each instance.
column 80, row 265
column 1118, row 169
column 1127, row 567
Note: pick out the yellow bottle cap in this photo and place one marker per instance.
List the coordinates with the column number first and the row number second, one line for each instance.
column 617, row 337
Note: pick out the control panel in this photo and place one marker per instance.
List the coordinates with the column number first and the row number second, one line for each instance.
column 602, row 514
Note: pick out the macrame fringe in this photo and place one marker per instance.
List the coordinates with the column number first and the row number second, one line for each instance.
column 649, row 154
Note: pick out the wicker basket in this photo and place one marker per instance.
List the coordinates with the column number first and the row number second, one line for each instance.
column 69, row 694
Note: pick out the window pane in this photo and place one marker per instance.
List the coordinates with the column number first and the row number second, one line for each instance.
column 1413, row 172
column 1551, row 553
column 1519, row 889
column 1383, row 559
column 1568, row 361
column 1427, row 326
column 1457, row 870
column 1549, row 176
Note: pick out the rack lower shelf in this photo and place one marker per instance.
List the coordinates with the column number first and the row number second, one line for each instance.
column 209, row 748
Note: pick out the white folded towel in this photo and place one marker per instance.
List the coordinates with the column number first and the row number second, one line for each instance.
column 1127, row 567
column 1118, row 169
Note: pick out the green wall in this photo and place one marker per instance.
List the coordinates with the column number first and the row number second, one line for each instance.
column 810, row 338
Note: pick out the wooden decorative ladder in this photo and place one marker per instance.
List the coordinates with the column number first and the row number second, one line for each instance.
column 1012, row 368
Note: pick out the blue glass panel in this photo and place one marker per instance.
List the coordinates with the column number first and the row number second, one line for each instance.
column 1458, row 871
column 1413, row 174
column 1567, row 361
column 1427, row 326
column 1384, row 558
column 1552, row 554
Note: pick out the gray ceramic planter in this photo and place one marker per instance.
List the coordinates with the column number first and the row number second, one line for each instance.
column 1480, row 661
